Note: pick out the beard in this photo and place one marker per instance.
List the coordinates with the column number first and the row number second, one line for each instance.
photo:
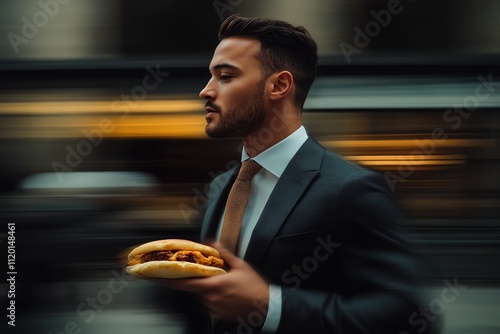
column 241, row 121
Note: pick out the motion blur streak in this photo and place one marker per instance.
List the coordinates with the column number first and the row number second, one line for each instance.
column 405, row 143
column 86, row 107
column 141, row 126
column 56, row 119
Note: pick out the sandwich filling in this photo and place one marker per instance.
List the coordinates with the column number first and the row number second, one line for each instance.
column 179, row 255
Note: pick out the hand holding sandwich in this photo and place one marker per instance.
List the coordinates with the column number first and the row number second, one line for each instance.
column 229, row 296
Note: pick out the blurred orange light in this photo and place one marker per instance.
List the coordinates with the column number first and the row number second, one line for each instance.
column 85, row 107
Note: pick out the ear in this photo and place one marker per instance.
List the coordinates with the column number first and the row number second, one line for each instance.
column 282, row 85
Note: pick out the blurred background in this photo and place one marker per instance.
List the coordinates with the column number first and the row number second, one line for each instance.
column 102, row 142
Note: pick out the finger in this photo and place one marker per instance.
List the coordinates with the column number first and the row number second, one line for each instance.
column 230, row 259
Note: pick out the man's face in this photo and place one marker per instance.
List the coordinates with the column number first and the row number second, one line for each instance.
column 235, row 92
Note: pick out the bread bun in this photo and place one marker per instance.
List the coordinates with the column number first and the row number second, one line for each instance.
column 172, row 244
column 174, row 268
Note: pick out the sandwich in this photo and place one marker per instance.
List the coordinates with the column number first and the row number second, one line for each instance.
column 174, row 258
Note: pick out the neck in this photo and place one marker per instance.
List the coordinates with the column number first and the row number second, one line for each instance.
column 274, row 129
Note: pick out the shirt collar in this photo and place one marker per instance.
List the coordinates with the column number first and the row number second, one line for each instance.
column 276, row 158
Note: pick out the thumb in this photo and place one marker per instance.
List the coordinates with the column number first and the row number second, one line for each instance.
column 231, row 260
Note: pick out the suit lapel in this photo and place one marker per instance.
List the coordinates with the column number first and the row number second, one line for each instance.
column 216, row 204
column 299, row 173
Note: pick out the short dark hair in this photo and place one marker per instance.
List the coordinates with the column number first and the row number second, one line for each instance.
column 283, row 47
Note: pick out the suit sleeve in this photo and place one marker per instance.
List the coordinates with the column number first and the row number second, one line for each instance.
column 374, row 259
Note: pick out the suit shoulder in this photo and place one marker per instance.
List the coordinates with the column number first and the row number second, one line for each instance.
column 349, row 175
column 337, row 162
column 332, row 166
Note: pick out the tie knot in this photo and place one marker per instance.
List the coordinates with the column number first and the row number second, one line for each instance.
column 248, row 169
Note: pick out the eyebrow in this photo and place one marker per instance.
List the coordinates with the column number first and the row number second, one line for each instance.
column 224, row 65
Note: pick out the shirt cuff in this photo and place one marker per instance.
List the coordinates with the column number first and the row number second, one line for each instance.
column 273, row 310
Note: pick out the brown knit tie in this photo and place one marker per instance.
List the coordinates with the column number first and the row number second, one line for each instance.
column 236, row 203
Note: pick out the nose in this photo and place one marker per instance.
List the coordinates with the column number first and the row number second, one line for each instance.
column 207, row 93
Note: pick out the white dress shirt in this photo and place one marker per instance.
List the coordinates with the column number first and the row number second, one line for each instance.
column 274, row 160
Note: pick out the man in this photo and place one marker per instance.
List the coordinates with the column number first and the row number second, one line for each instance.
column 319, row 250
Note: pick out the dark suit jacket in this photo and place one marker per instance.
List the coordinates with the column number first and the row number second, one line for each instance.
column 329, row 236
